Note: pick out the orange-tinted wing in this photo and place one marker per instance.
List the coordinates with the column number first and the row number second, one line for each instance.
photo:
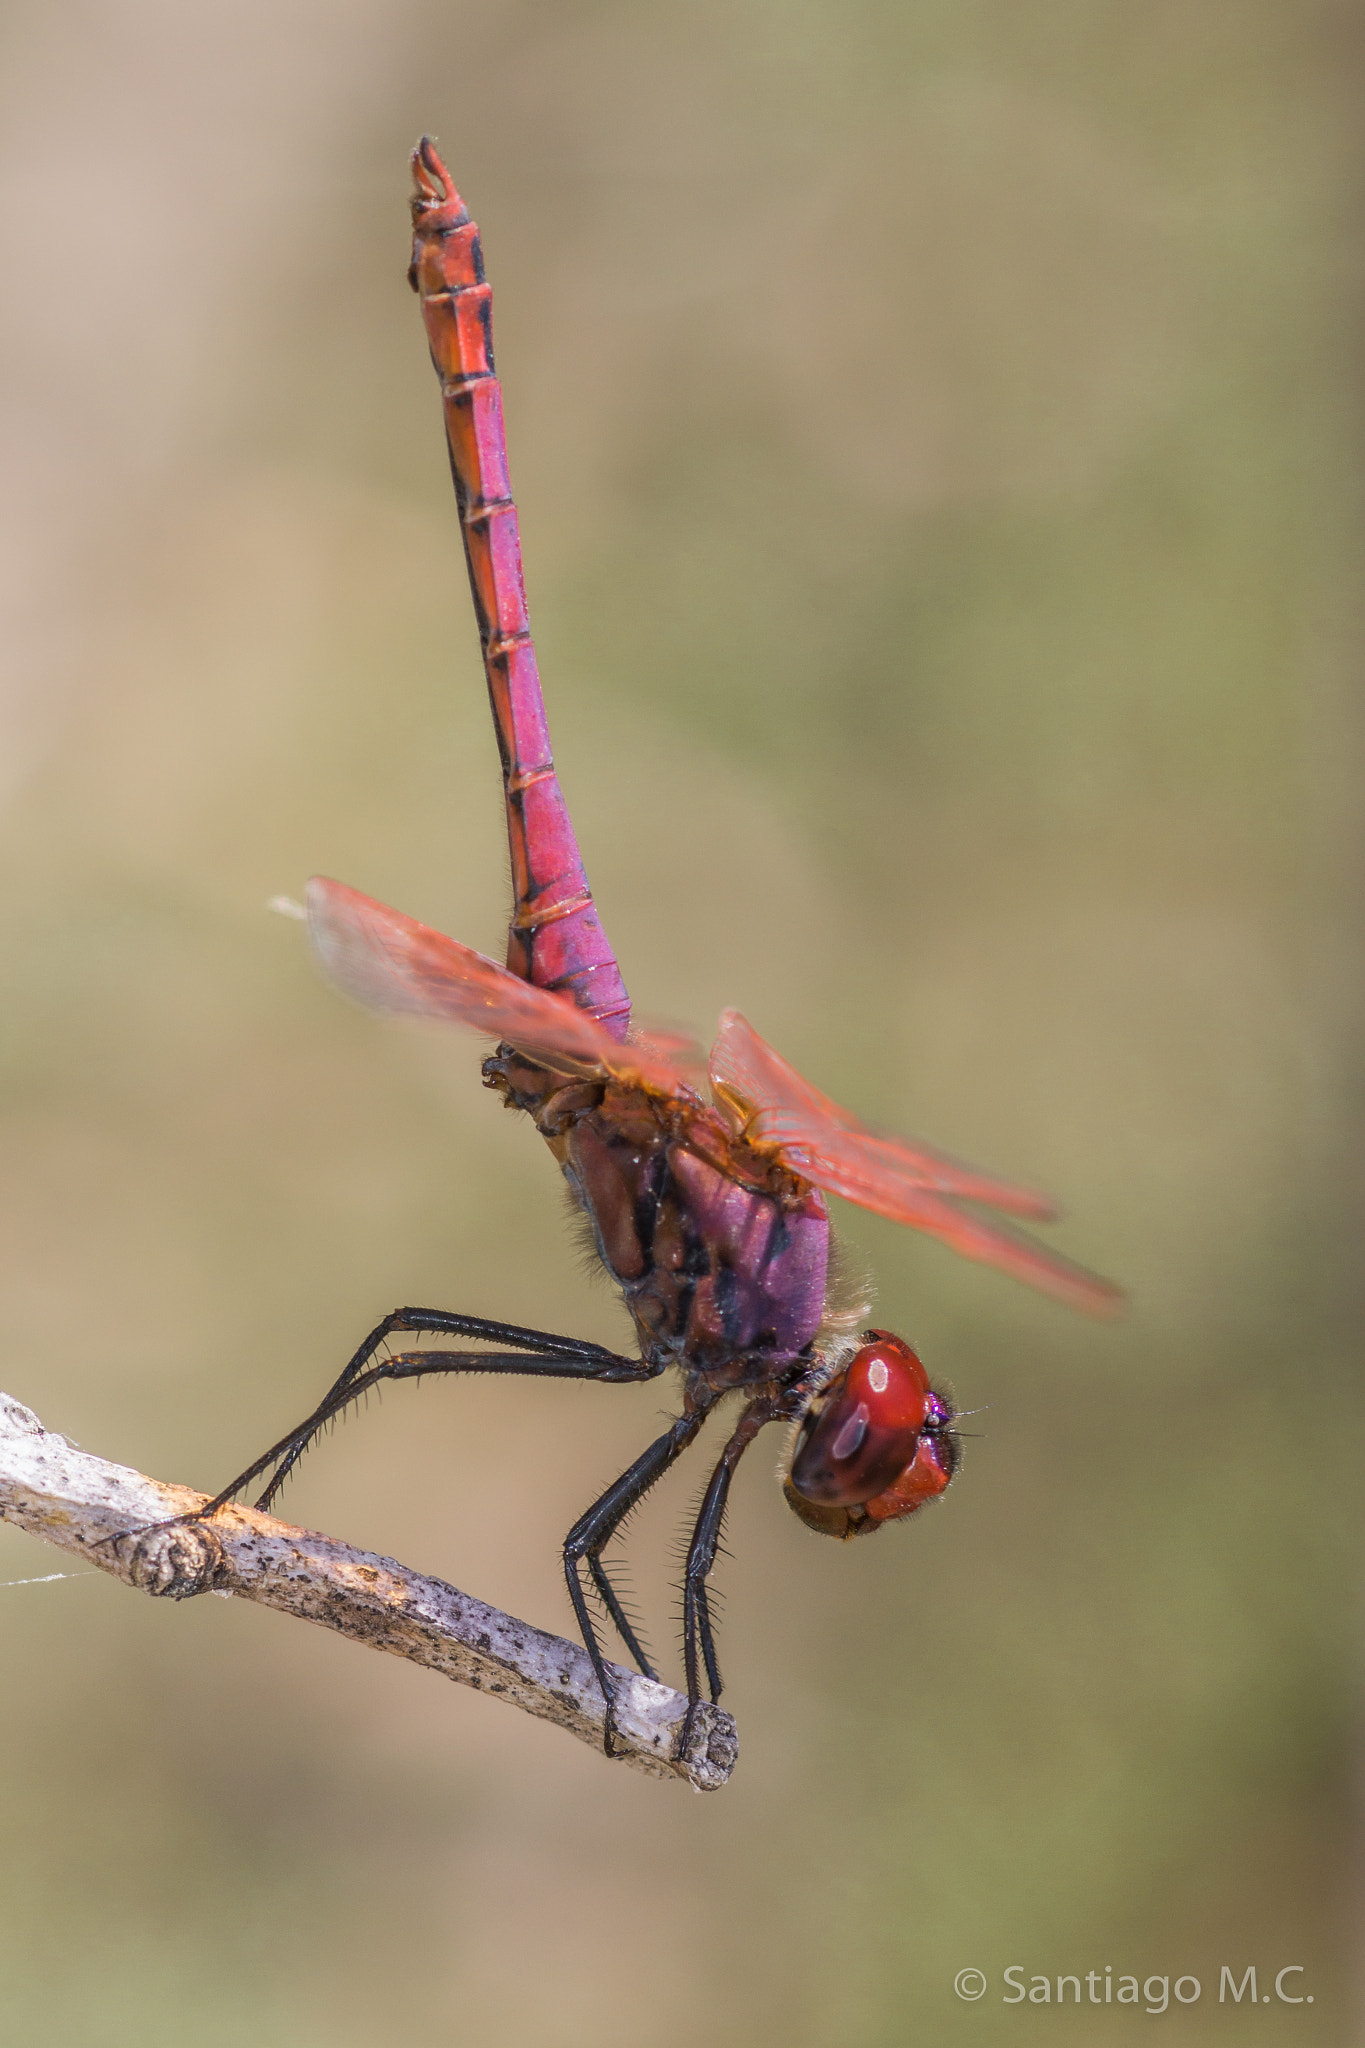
column 792, row 1114
column 684, row 1055
column 390, row 962
column 907, row 1182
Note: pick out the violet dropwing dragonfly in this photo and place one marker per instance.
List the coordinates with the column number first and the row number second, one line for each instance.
column 703, row 1177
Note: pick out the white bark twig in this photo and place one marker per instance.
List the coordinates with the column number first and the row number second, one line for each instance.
column 106, row 1514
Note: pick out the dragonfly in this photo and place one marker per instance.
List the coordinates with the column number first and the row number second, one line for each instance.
column 704, row 1176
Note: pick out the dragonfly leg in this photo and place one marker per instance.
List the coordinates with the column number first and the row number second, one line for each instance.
column 706, row 1637
column 620, row 1620
column 592, row 1532
column 698, row 1636
column 533, row 1352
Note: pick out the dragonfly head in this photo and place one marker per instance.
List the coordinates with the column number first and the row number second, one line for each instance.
column 873, row 1444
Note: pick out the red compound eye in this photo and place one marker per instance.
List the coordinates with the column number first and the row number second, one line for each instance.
column 878, row 1435
column 927, row 1474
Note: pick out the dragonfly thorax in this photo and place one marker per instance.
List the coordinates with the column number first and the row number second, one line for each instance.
column 722, row 1255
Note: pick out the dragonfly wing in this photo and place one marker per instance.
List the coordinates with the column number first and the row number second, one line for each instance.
column 678, row 1051
column 907, row 1182
column 975, row 1237
column 391, row 962
column 793, row 1115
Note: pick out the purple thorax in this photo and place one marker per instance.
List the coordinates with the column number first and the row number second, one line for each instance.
column 765, row 1287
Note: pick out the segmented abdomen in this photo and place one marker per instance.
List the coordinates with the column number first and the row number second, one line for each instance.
column 556, row 938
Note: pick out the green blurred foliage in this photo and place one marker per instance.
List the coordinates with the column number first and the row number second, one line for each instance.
column 935, row 429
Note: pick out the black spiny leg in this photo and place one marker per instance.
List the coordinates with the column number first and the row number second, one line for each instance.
column 592, row 1532
column 708, row 1642
column 698, row 1638
column 550, row 1357
column 620, row 1621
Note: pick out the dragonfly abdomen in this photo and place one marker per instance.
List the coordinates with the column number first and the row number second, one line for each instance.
column 556, row 939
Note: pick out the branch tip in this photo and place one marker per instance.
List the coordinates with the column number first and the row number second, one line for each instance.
column 136, row 1529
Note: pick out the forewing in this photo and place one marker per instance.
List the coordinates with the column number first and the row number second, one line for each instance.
column 677, row 1052
column 907, row 1182
column 390, row 962
column 975, row 1237
column 792, row 1116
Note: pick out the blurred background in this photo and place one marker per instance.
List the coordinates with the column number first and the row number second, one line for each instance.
column 935, row 431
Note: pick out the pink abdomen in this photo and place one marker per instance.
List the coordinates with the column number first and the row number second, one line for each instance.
column 556, row 938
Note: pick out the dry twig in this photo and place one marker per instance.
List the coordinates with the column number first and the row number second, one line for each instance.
column 103, row 1513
